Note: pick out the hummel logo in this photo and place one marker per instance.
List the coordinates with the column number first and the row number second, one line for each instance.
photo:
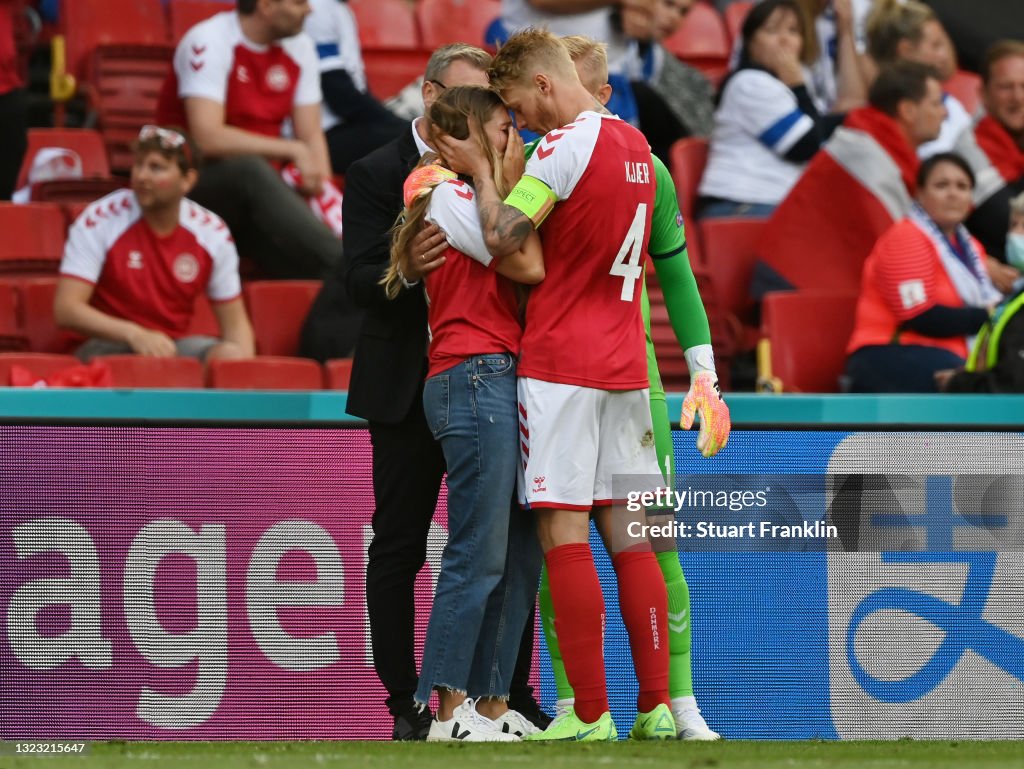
column 508, row 730
column 456, row 734
column 677, row 622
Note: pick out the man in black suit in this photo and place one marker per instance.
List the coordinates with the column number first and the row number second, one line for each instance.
column 387, row 386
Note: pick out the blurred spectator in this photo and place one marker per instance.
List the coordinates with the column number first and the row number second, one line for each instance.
column 862, row 182
column 673, row 99
column 137, row 259
column 237, row 77
column 766, row 125
column 909, row 30
column 976, row 25
column 838, row 79
column 925, row 290
column 13, row 103
column 995, row 149
column 354, row 122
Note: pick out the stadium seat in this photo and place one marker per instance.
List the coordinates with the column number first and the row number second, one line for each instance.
column 687, row 159
column 730, row 252
column 702, row 41
column 87, row 24
column 140, row 371
column 278, row 308
column 339, row 373
column 12, row 333
column 265, row 373
column 37, row 313
column 386, row 24
column 39, row 364
column 185, row 14
column 735, row 15
column 452, row 21
column 31, row 237
column 965, row 86
column 389, row 70
column 805, row 337
column 86, row 143
column 125, row 89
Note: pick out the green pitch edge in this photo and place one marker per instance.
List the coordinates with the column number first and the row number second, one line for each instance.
column 267, row 407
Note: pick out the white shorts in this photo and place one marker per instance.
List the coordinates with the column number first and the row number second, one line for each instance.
column 574, row 440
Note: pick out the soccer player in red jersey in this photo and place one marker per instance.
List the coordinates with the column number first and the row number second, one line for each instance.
column 584, row 403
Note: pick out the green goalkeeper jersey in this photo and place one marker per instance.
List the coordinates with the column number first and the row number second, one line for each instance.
column 667, row 249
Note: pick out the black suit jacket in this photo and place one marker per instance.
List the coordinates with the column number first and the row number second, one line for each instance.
column 390, row 356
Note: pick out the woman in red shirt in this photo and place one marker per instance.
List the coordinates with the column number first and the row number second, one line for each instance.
column 491, row 564
column 924, row 290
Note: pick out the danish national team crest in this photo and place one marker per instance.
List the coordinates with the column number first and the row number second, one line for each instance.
column 278, row 79
column 186, row 268
column 926, row 635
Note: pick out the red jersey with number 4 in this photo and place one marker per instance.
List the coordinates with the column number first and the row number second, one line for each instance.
column 471, row 308
column 583, row 322
column 259, row 85
column 146, row 278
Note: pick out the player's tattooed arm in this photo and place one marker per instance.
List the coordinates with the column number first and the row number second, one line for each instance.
column 505, row 228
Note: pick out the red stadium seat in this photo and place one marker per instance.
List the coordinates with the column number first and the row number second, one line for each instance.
column 965, row 86
column 687, row 159
column 339, row 373
column 86, row 143
column 730, row 250
column 87, row 24
column 140, row 371
column 278, row 308
column 31, row 237
column 37, row 312
column 807, row 333
column 39, row 364
column 735, row 15
column 386, row 24
column 12, row 332
column 125, row 89
column 185, row 14
column 265, row 373
column 389, row 70
column 452, row 21
column 702, row 41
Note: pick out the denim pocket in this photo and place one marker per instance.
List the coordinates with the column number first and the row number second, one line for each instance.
column 494, row 365
column 436, row 402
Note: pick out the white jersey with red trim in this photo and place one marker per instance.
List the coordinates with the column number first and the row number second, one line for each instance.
column 259, row 85
column 146, row 278
column 583, row 322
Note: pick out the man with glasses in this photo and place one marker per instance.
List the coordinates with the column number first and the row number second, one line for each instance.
column 136, row 261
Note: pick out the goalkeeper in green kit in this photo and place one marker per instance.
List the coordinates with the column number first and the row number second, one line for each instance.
column 690, row 324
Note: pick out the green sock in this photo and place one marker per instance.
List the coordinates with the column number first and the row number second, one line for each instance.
column 680, row 674
column 547, row 618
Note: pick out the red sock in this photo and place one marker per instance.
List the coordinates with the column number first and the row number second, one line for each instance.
column 579, row 623
column 643, row 601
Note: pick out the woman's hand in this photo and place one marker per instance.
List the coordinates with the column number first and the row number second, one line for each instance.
column 464, row 156
column 513, row 163
column 1003, row 275
column 786, row 66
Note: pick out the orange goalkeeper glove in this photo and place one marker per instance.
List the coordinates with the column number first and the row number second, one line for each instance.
column 705, row 398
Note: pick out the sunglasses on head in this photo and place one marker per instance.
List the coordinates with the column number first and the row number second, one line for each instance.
column 168, row 139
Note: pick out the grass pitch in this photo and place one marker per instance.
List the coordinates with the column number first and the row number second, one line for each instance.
column 736, row 754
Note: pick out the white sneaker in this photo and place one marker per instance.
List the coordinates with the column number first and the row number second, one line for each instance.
column 467, row 725
column 514, row 722
column 690, row 724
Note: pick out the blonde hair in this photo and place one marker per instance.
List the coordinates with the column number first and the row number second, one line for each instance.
column 527, row 52
column 892, row 21
column 590, row 56
column 809, row 10
column 455, row 110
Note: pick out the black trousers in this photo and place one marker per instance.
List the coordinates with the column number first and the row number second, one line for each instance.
column 13, row 138
column 407, row 468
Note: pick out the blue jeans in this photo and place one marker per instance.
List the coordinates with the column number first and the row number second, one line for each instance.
column 491, row 564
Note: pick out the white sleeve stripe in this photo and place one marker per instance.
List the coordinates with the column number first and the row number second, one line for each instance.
column 787, row 131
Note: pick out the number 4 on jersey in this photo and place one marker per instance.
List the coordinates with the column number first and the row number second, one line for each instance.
column 627, row 261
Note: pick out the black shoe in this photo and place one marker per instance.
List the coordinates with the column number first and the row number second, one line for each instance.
column 412, row 722
column 529, row 708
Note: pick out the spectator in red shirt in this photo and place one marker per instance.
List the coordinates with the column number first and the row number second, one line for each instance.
column 136, row 261
column 925, row 289
column 13, row 104
column 238, row 78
